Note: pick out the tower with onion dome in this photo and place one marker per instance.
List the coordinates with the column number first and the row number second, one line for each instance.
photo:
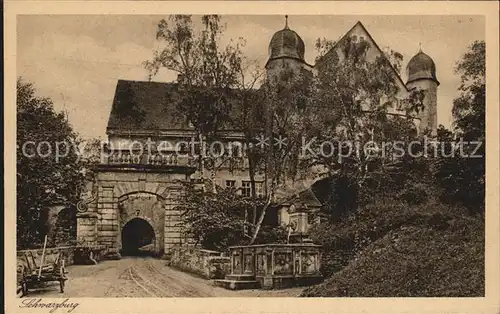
column 421, row 71
column 286, row 52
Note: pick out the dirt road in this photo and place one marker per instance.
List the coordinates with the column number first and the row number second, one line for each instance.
column 143, row 277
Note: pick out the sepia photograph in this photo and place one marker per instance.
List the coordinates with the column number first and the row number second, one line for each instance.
column 231, row 155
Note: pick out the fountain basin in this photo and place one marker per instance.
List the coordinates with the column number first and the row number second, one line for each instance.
column 273, row 266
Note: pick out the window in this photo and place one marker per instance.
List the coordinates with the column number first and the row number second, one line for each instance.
column 246, row 188
column 230, row 184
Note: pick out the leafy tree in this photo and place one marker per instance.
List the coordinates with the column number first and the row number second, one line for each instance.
column 43, row 178
column 207, row 71
column 207, row 75
column 216, row 220
column 285, row 106
column 353, row 101
column 347, row 102
column 462, row 175
column 469, row 108
column 248, row 119
column 213, row 81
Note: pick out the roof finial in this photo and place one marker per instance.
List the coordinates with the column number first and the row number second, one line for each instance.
column 419, row 47
column 286, row 21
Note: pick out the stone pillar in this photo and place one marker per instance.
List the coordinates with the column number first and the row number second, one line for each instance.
column 300, row 223
column 300, row 220
column 87, row 217
column 248, row 260
column 172, row 229
column 267, row 281
column 108, row 225
column 86, row 228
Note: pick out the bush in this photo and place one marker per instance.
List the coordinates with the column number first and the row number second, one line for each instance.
column 414, row 194
column 344, row 240
column 420, row 260
column 216, row 220
column 337, row 247
column 271, row 234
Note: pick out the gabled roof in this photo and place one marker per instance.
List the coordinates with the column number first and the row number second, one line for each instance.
column 375, row 45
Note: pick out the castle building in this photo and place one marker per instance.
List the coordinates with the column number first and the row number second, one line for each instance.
column 132, row 201
column 287, row 50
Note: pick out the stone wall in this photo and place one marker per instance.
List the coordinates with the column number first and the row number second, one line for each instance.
column 205, row 263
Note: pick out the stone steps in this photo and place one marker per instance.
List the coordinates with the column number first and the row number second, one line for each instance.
column 237, row 284
column 240, row 277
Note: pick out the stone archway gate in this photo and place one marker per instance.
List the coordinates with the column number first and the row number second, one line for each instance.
column 101, row 217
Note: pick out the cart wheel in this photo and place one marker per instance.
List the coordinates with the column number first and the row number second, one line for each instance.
column 24, row 282
column 24, row 288
column 61, row 285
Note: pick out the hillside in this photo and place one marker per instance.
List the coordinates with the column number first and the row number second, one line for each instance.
column 436, row 253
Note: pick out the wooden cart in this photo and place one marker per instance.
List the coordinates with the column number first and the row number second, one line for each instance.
column 33, row 276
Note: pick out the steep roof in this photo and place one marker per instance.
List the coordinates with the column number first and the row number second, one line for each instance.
column 361, row 28
column 139, row 105
column 151, row 106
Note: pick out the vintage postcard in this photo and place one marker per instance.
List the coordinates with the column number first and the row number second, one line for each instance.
column 291, row 157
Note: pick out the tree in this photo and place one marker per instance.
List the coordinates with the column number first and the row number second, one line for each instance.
column 248, row 119
column 207, row 72
column 44, row 177
column 285, row 111
column 469, row 108
column 213, row 82
column 345, row 106
column 353, row 99
column 462, row 176
column 216, row 220
column 211, row 219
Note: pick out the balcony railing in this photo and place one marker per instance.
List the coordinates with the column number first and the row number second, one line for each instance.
column 125, row 157
column 155, row 159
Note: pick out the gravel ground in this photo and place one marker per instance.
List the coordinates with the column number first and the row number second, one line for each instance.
column 143, row 277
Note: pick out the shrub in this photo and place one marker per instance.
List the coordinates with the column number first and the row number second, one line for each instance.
column 216, row 219
column 420, row 260
column 414, row 194
column 271, row 234
column 342, row 241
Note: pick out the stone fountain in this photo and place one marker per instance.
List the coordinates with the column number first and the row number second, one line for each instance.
column 275, row 266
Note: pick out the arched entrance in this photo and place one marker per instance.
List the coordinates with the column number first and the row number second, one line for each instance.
column 143, row 206
column 138, row 238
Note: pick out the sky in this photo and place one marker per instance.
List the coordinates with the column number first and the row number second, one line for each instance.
column 76, row 60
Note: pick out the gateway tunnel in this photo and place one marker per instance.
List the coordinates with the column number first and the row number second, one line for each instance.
column 138, row 238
